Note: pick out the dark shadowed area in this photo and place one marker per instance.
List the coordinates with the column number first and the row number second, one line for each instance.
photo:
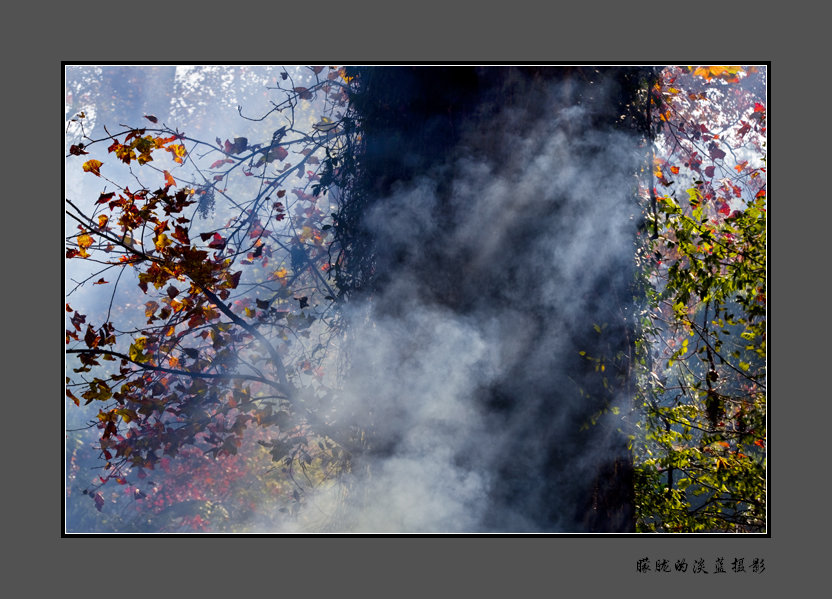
column 498, row 216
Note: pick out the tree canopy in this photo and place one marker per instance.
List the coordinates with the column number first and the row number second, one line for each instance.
column 701, row 441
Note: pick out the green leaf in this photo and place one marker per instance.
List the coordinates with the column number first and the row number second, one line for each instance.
column 137, row 351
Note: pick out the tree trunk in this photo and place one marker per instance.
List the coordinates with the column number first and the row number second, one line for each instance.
column 550, row 468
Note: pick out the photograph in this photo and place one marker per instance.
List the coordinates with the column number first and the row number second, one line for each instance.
column 430, row 299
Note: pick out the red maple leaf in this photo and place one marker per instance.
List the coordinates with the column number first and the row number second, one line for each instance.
column 217, row 242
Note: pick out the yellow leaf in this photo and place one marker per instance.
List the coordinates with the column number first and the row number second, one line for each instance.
column 127, row 414
column 92, row 166
column 162, row 241
column 84, row 241
column 137, row 350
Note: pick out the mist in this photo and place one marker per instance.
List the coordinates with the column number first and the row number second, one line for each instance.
column 464, row 361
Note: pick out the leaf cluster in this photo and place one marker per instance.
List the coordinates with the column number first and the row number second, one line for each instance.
column 233, row 331
column 700, row 421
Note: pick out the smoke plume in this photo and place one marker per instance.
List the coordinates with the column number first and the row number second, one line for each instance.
column 464, row 363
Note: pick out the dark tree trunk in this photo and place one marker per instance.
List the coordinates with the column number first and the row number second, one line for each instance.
column 551, row 472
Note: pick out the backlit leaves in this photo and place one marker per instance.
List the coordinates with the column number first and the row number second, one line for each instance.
column 178, row 152
column 703, row 416
column 727, row 73
column 84, row 241
column 92, row 166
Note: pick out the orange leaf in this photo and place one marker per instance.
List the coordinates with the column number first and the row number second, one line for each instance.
column 169, row 180
column 92, row 166
column 160, row 142
column 728, row 73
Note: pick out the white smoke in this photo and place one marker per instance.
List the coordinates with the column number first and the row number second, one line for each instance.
column 538, row 230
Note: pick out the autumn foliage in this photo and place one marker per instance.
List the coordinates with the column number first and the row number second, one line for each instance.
column 229, row 340
column 700, row 445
